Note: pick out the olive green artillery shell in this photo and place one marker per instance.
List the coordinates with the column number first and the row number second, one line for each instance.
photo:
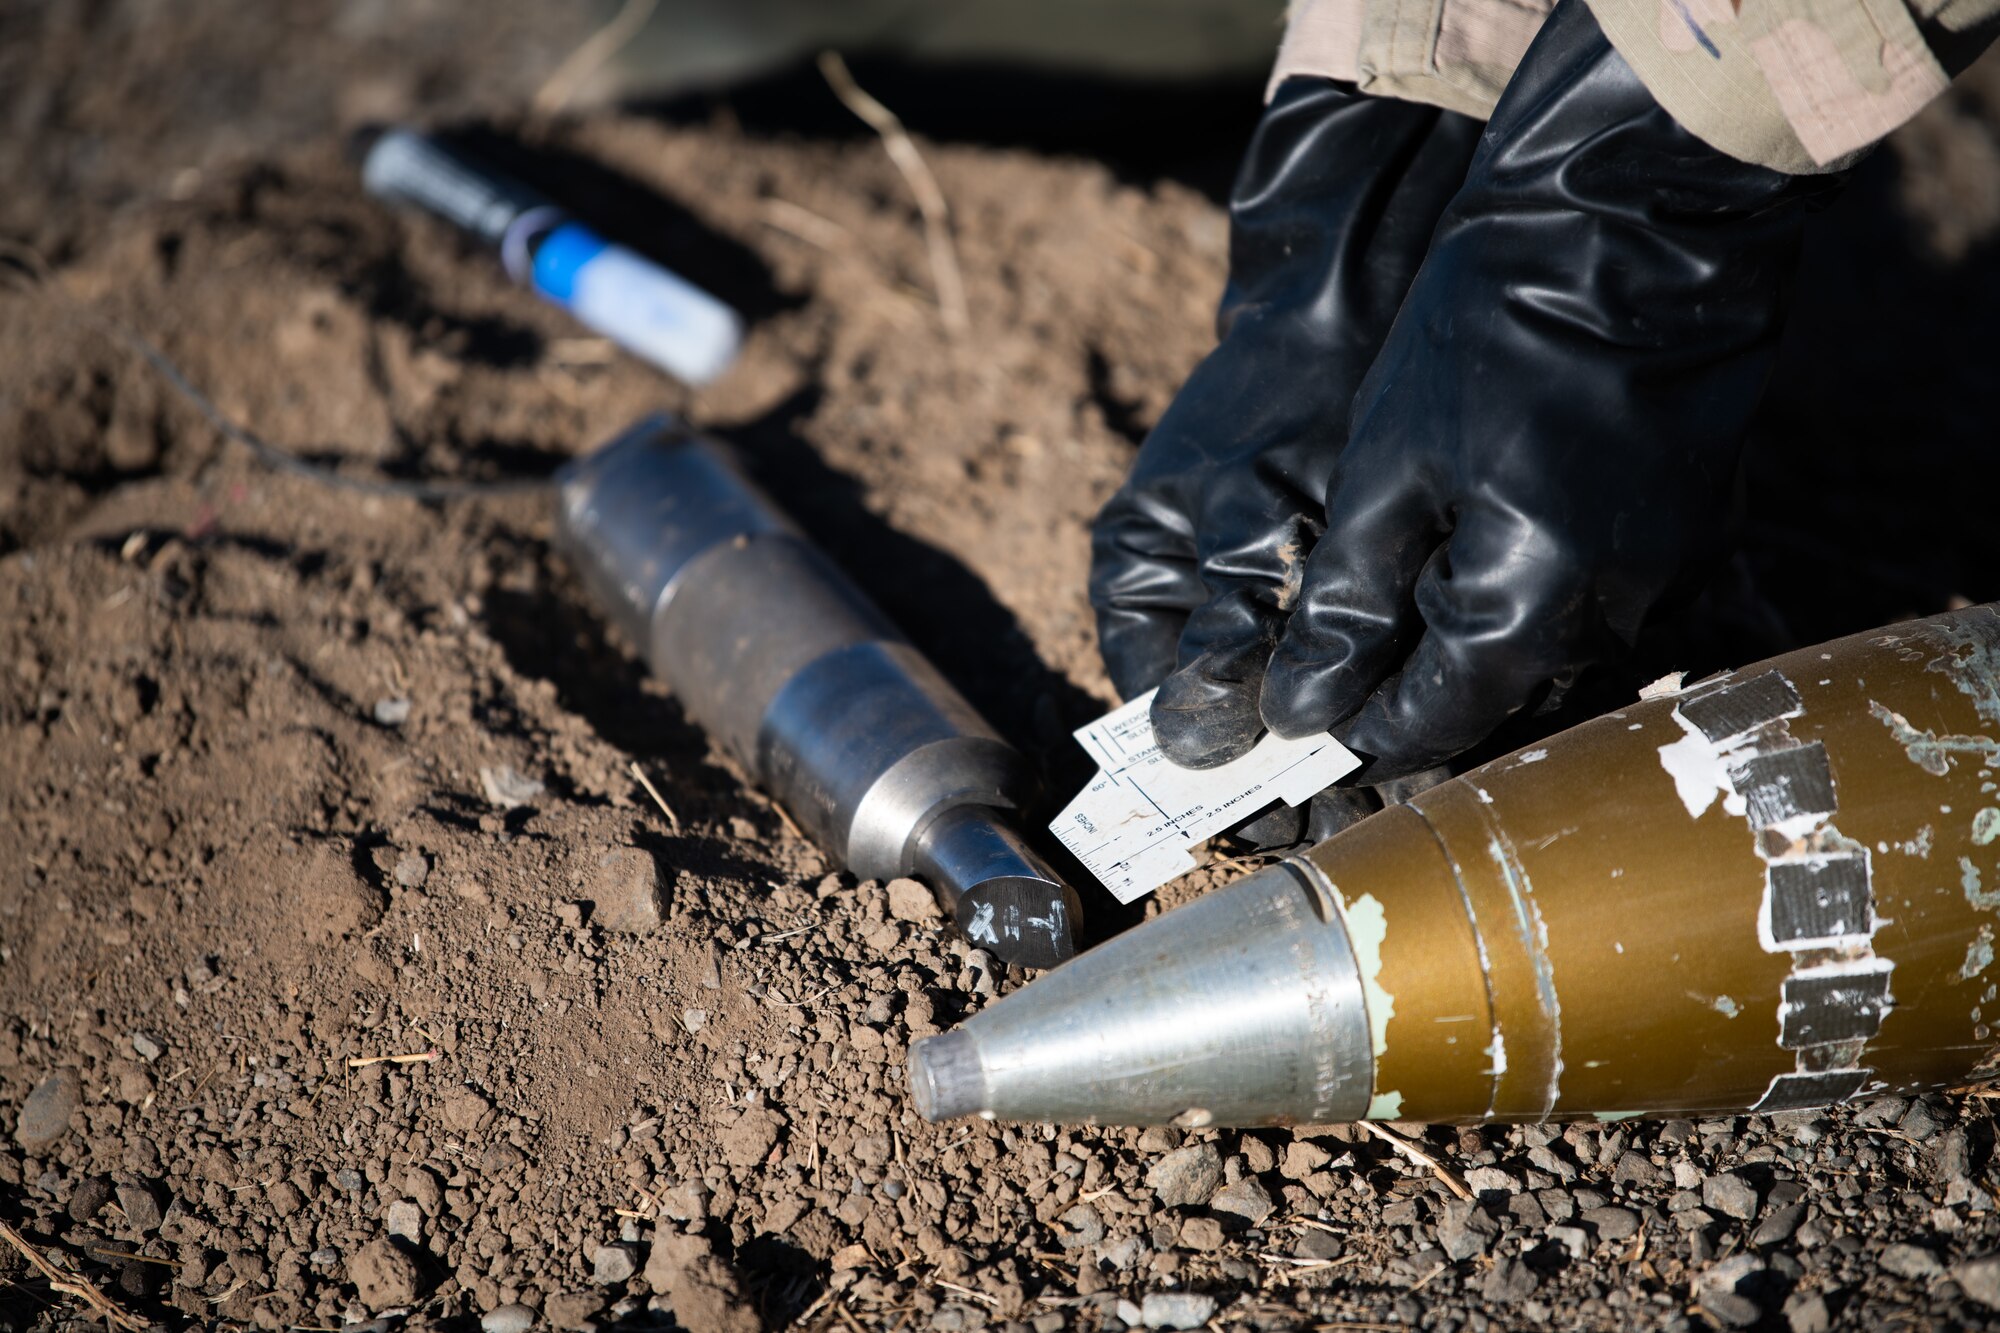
column 1773, row 889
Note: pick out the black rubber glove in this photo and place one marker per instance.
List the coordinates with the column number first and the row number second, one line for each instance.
column 1197, row 559
column 1552, row 426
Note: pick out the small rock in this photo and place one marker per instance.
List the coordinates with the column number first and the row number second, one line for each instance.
column 1613, row 1223
column 1731, row 1195
column 45, row 1115
column 911, row 901
column 1316, row 1244
column 349, row 1180
column 1574, row 1239
column 1911, row 1261
column 572, row 1309
column 507, row 1319
column 324, row 1257
column 1201, row 1233
column 412, row 869
column 694, row 1020
column 508, row 790
column 1186, row 1176
column 612, row 1265
column 1246, row 1201
column 1806, row 1312
column 1129, row 1314
column 383, row 1276
column 141, row 1207
column 1085, row 1227
column 1980, row 1279
column 1490, row 1180
column 392, row 712
column 750, row 1140
column 91, row 1194
column 145, row 1047
column 1635, row 1169
column 1732, row 1310
column 1779, row 1226
column 1509, row 1281
column 1302, row 1158
column 1176, row 1309
column 404, row 1218
column 852, row 1257
column 1466, row 1230
column 626, row 890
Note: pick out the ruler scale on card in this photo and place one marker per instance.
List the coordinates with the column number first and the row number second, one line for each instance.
column 1140, row 821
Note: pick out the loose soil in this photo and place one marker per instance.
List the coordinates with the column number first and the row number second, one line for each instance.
column 294, row 779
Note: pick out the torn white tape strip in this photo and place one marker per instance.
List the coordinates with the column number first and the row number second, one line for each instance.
column 1138, row 823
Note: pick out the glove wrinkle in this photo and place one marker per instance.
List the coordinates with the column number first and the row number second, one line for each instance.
column 1200, row 557
column 1551, row 429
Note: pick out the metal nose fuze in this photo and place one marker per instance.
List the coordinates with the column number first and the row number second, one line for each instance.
column 1775, row 889
column 770, row 647
column 1243, row 1007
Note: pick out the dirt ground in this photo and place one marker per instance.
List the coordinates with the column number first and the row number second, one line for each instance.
column 293, row 779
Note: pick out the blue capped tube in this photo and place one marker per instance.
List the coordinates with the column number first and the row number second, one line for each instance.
column 615, row 291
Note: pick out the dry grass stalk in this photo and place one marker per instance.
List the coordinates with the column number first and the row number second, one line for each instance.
column 72, row 1284
column 673, row 820
column 1420, row 1157
column 930, row 199
column 418, row 1058
column 590, row 55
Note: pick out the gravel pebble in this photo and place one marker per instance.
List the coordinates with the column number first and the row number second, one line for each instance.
column 1980, row 1279
column 1613, row 1223
column 45, row 1115
column 404, row 1218
column 1246, row 1200
column 141, row 1206
column 1490, row 1180
column 1731, row 1195
column 625, row 891
column 507, row 1319
column 613, row 1265
column 1779, row 1226
column 1186, row 1176
column 1176, row 1309
column 145, row 1047
column 392, row 712
column 412, row 869
column 1911, row 1261
column 911, row 901
column 507, row 789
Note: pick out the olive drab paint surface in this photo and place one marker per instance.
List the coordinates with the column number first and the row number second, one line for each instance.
column 1772, row 889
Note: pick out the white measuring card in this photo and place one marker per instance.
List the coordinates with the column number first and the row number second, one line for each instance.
column 1140, row 820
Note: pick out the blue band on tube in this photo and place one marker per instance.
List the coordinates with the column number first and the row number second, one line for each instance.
column 562, row 255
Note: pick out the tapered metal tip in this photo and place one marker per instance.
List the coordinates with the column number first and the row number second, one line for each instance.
column 946, row 1078
column 1244, row 1007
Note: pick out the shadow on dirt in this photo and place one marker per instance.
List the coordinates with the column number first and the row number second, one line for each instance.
column 1144, row 130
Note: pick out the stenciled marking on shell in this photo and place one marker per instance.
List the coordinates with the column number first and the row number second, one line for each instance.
column 1818, row 903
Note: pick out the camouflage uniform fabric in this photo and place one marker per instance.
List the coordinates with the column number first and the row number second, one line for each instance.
column 1802, row 86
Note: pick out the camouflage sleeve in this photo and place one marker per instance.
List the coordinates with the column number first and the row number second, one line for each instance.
column 1802, row 86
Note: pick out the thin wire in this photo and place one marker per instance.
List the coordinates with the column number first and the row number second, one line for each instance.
column 278, row 460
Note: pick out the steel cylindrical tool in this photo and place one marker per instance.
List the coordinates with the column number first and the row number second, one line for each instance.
column 815, row 693
column 1778, row 888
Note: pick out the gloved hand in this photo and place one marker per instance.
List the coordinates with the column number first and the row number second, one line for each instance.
column 1553, row 424
column 1198, row 558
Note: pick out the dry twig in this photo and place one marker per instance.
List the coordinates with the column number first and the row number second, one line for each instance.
column 673, row 820
column 590, row 56
column 1420, row 1157
column 72, row 1284
column 418, row 1058
column 930, row 199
